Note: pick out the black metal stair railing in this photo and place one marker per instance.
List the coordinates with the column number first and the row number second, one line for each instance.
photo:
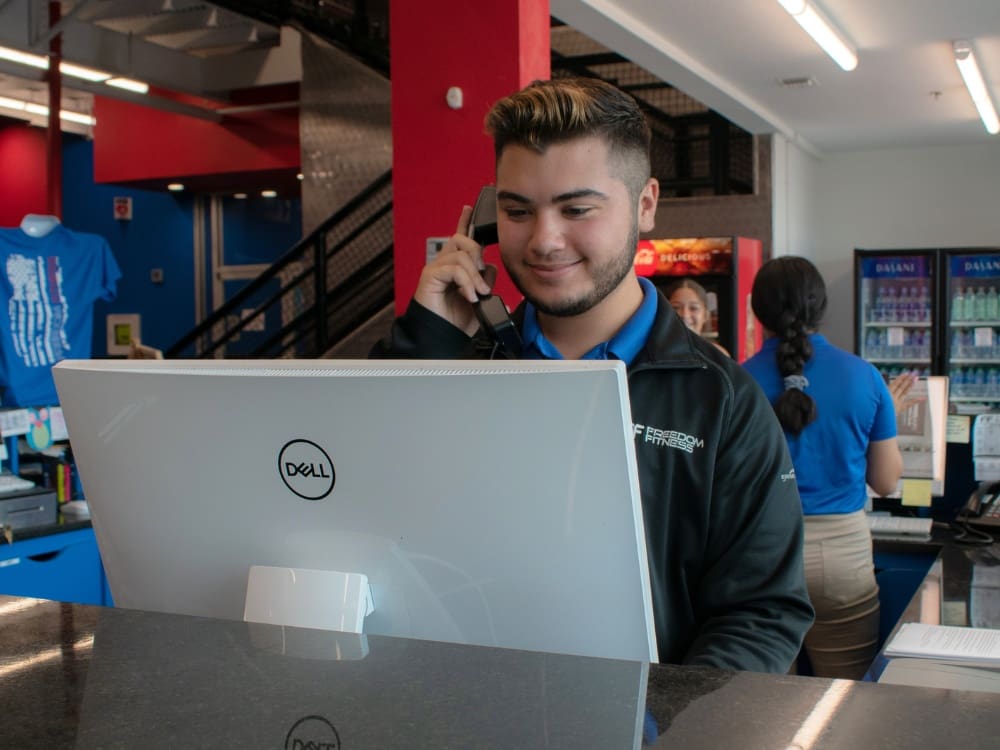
column 326, row 286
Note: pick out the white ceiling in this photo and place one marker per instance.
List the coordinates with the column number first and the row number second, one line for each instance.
column 731, row 55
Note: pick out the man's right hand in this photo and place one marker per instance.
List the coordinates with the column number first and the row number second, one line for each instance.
column 451, row 282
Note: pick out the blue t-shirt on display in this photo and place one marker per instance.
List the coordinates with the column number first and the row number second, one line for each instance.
column 49, row 285
column 854, row 408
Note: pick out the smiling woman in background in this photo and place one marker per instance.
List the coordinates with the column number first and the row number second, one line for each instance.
column 690, row 300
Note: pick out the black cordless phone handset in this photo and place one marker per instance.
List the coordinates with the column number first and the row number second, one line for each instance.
column 490, row 309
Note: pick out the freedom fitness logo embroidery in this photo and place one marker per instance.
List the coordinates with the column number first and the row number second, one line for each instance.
column 659, row 437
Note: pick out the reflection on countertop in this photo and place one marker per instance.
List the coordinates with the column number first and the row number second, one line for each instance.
column 962, row 586
column 78, row 676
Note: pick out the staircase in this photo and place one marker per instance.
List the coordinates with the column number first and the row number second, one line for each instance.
column 338, row 281
column 327, row 286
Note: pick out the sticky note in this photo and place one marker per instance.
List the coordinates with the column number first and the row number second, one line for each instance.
column 917, row 492
column 958, row 428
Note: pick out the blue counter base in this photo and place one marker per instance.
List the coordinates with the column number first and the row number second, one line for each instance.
column 61, row 565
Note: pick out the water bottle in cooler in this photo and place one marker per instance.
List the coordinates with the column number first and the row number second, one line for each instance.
column 903, row 306
column 992, row 305
column 978, row 382
column 958, row 306
column 980, row 304
column 970, row 304
column 871, row 343
column 992, row 383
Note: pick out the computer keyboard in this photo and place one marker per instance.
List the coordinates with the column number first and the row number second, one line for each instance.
column 899, row 526
column 14, row 483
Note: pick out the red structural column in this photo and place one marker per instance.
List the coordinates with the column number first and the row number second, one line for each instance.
column 441, row 155
column 53, row 141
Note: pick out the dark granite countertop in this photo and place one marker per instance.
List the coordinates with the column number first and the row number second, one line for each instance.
column 89, row 677
column 955, row 586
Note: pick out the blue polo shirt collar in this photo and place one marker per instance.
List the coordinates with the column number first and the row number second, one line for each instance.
column 624, row 345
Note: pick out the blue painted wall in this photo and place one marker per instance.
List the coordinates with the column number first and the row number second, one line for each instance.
column 160, row 235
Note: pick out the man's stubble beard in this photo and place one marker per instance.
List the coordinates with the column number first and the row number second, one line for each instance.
column 606, row 278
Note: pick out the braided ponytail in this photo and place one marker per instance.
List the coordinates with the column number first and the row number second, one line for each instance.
column 789, row 299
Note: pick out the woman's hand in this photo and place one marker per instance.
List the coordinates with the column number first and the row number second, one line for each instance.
column 900, row 389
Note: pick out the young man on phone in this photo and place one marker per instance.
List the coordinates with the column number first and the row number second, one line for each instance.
column 720, row 505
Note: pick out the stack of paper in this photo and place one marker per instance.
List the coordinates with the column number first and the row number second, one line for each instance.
column 934, row 674
column 947, row 643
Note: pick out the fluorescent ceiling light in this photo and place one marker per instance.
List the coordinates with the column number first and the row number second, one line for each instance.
column 129, row 85
column 24, row 58
column 11, row 103
column 823, row 32
column 65, row 114
column 87, row 74
column 175, row 187
column 269, row 193
column 43, row 111
column 74, row 70
column 967, row 66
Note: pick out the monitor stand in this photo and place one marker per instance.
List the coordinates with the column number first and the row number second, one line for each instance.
column 298, row 597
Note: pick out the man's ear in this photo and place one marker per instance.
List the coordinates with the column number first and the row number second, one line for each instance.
column 648, row 200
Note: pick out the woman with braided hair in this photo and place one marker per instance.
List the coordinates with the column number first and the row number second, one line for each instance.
column 839, row 417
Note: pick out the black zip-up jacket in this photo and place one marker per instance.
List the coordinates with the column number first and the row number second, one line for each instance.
column 721, row 508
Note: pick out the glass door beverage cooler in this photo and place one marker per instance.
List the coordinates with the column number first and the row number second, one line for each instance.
column 972, row 286
column 935, row 312
column 896, row 318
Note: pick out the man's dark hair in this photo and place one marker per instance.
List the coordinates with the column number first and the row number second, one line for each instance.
column 789, row 299
column 549, row 112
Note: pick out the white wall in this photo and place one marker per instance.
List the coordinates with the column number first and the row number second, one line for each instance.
column 794, row 179
column 946, row 196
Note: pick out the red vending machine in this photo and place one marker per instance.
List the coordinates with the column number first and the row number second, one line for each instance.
column 725, row 267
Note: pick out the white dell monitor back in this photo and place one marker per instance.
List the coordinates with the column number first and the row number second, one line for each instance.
column 491, row 503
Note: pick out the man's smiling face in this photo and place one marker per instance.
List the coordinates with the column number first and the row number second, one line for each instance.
column 568, row 226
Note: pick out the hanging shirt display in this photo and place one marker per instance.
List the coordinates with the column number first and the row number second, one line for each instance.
column 49, row 286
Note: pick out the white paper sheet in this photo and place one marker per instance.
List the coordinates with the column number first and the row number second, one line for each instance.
column 946, row 643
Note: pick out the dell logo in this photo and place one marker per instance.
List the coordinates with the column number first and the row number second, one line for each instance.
column 312, row 733
column 306, row 469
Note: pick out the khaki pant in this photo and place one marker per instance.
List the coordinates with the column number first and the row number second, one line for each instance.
column 840, row 576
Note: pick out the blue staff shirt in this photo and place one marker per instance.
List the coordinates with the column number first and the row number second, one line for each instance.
column 854, row 408
column 624, row 345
